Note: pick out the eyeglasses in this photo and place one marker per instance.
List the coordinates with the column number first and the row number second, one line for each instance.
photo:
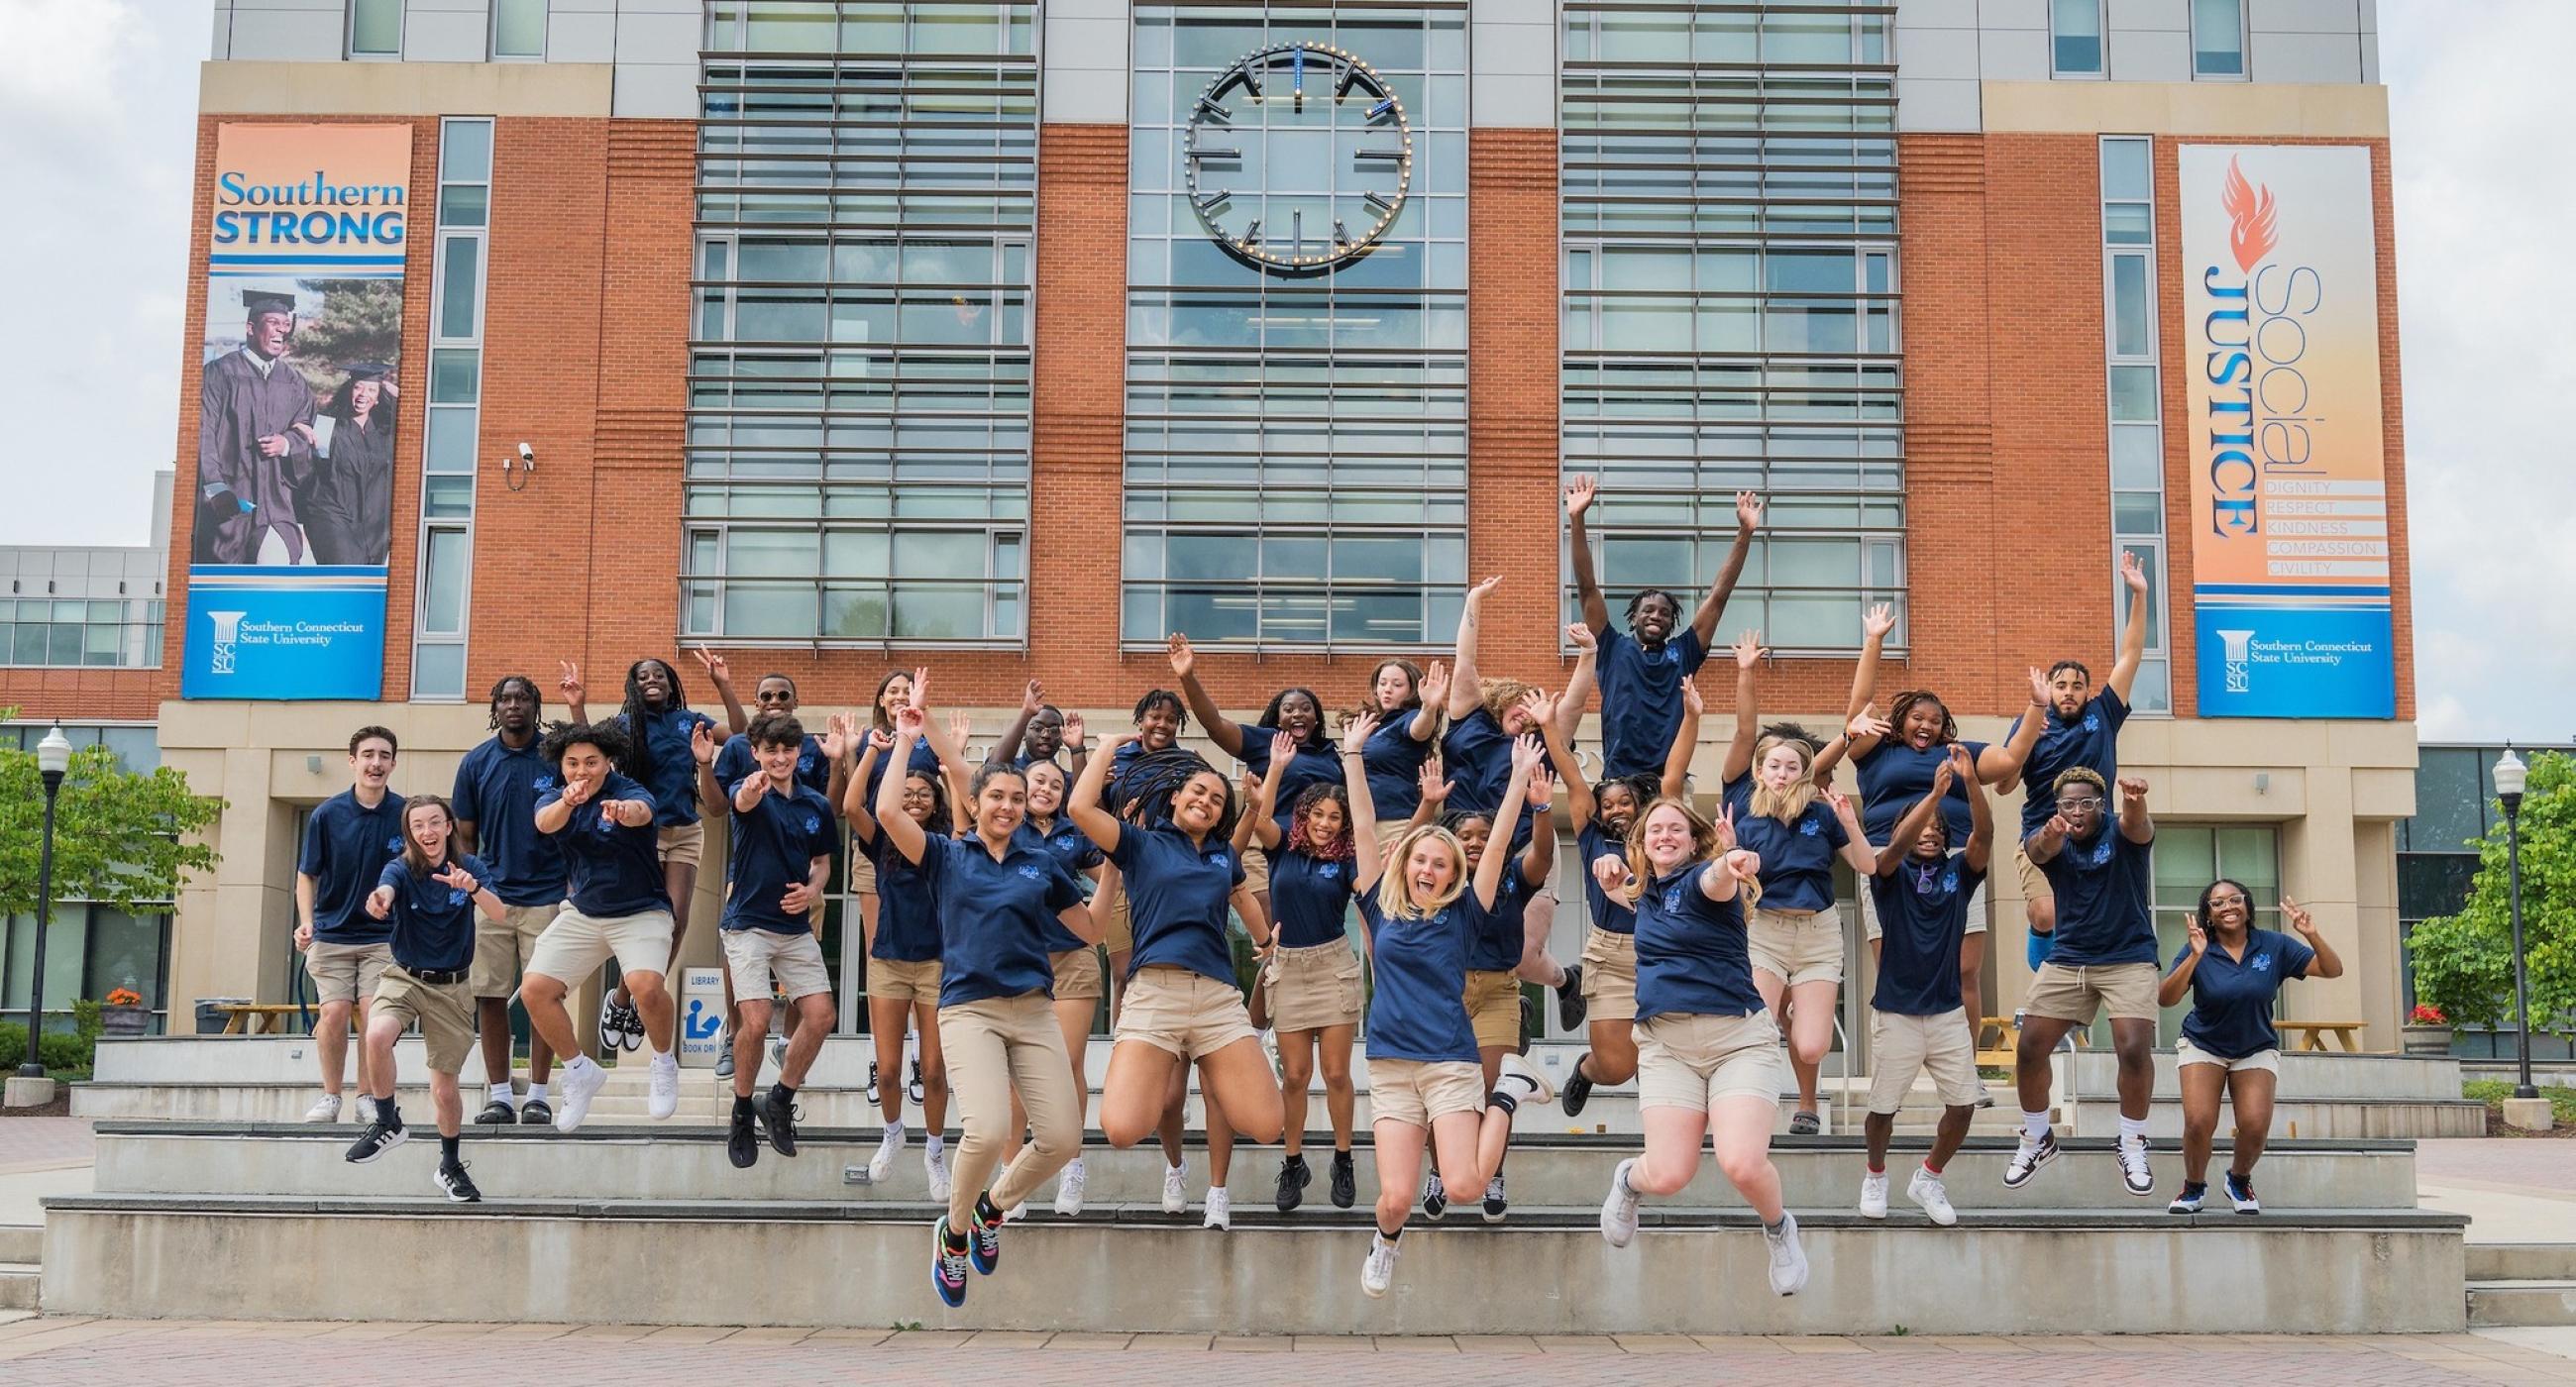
column 2080, row 802
column 2216, row 901
column 765, row 699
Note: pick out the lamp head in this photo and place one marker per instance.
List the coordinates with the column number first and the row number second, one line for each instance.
column 54, row 754
column 2511, row 776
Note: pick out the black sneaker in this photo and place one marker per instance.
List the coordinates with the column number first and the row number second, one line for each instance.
column 497, row 1113
column 1435, row 1197
column 1803, row 1124
column 742, row 1144
column 459, row 1185
column 1497, row 1203
column 1578, row 1090
column 376, row 1141
column 1346, row 1181
column 778, row 1116
column 1294, row 1177
column 913, row 1090
column 535, row 1113
column 872, row 1083
column 1570, row 1006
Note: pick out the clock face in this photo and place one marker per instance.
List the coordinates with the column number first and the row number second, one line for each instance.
column 1298, row 158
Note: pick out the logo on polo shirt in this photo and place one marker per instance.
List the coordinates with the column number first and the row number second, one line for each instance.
column 2092, row 722
column 393, row 843
column 455, row 895
column 1218, row 858
column 813, row 824
column 1329, row 871
column 1672, row 898
column 2102, row 849
column 1032, row 873
column 2260, row 963
column 1950, row 880
column 542, row 784
column 1810, row 827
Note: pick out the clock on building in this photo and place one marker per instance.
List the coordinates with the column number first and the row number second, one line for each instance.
column 1297, row 158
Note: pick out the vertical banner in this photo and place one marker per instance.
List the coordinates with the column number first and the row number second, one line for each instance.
column 2289, row 489
column 298, row 412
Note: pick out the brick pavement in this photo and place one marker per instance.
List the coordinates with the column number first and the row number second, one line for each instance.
column 29, row 1142
column 59, row 1350
column 2542, row 1163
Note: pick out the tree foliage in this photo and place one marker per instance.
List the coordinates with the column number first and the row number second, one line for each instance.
column 2464, row 962
column 119, row 836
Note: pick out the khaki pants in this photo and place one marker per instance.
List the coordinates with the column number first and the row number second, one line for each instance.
column 996, row 1047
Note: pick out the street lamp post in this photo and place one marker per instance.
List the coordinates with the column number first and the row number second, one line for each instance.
column 2510, row 778
column 53, row 757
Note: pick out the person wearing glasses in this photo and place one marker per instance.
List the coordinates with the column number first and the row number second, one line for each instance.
column 2234, row 972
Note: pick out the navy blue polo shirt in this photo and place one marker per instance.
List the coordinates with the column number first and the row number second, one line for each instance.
column 1797, row 858
column 1419, row 1010
column 735, row 762
column 2092, row 740
column 1076, row 854
column 925, row 761
column 1692, row 954
column 907, row 903
column 1895, row 776
column 1641, row 697
column 1176, row 898
column 615, row 869
column 1315, row 763
column 1922, row 921
column 1496, row 947
column 1308, row 897
column 432, row 923
column 774, row 847
column 2102, row 913
column 1477, row 753
column 673, row 777
column 1393, row 760
column 496, row 791
column 1608, row 912
column 995, row 915
column 346, row 847
column 1118, row 794
column 2231, row 998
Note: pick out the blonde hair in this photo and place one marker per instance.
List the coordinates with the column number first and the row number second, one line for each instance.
column 1500, row 695
column 1790, row 804
column 1704, row 847
column 1395, row 895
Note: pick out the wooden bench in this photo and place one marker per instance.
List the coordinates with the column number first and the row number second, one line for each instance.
column 261, row 1018
column 2311, row 1035
column 2004, row 1053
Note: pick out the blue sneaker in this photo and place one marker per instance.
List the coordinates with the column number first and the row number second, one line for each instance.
column 2189, row 1201
column 2240, row 1192
column 984, row 1247
column 947, row 1267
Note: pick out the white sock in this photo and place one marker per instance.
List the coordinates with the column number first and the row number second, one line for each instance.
column 1179, row 1167
column 2034, row 1126
column 536, row 1092
column 933, row 1144
column 894, row 1133
column 663, row 1057
column 503, row 1093
column 2133, row 1129
column 1074, row 1165
column 580, row 1064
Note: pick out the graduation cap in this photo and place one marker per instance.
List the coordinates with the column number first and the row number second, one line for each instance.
column 258, row 301
column 368, row 370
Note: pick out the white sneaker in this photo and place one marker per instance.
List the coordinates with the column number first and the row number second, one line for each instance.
column 1788, row 1259
column 582, row 1081
column 1016, row 1212
column 1220, row 1209
column 2134, row 1174
column 1176, row 1188
column 325, row 1109
column 1927, row 1190
column 1068, row 1189
column 1619, row 1211
column 1516, row 1067
column 1873, row 1194
column 664, row 1071
column 934, row 1161
column 881, row 1164
column 366, row 1109
column 1378, row 1272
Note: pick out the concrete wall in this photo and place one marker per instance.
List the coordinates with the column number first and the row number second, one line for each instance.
column 652, row 45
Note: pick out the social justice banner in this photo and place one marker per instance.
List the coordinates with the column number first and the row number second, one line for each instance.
column 298, row 412
column 2289, row 486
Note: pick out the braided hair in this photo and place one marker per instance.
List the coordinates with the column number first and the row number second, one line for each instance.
column 503, row 686
column 1155, row 776
column 637, row 764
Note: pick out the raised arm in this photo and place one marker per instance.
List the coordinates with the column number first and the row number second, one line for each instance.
column 2133, row 633
column 1366, row 862
column 1579, row 496
column 1434, row 693
column 1578, row 687
column 1748, row 515
column 1464, row 694
column 702, row 749
column 1254, row 822
column 839, row 736
column 1685, row 740
column 1981, row 812
column 1560, row 753
column 1433, row 787
column 2134, row 823
column 1858, row 738
column 720, row 674
column 2000, row 762
column 1220, row 729
column 909, row 723
column 874, row 744
column 1748, row 718
column 1538, row 860
column 2328, row 963
column 1918, row 817
column 1855, row 849
column 2171, row 987
column 1007, row 749
column 1096, row 823
column 1526, row 754
column 568, row 683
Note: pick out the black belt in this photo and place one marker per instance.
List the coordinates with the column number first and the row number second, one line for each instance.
column 436, row 977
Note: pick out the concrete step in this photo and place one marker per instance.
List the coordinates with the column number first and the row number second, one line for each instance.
column 2522, row 1261
column 22, row 1242
column 612, row 1162
column 2323, row 1118
column 2313, row 1074
column 2494, row 1304
column 21, row 1285
column 1546, row 1271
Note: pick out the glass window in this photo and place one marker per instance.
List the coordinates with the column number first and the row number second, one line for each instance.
column 518, row 28
column 460, row 282
column 2127, row 175
column 445, row 566
column 2132, row 307
column 465, row 151
column 375, row 28
column 2075, row 34
column 2217, row 38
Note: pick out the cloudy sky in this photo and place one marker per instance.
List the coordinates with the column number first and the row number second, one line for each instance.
column 101, row 129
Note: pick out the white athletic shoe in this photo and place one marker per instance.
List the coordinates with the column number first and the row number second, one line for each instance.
column 1619, row 1211
column 2134, row 1174
column 1788, row 1259
column 1068, row 1189
column 582, row 1080
column 1378, row 1272
column 1016, row 1212
column 1176, row 1188
column 1220, row 1209
column 934, row 1162
column 366, row 1109
column 1873, row 1194
column 881, row 1164
column 1927, row 1190
column 664, row 1072
column 325, row 1109
column 1540, row 1090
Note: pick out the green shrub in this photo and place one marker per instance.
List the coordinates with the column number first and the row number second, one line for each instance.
column 2493, row 1092
column 61, row 1051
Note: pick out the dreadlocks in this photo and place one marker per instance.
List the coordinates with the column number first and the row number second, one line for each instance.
column 1154, row 777
column 504, row 686
column 637, row 764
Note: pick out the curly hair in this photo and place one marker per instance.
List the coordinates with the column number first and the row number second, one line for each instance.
column 1911, row 699
column 1301, row 840
column 608, row 737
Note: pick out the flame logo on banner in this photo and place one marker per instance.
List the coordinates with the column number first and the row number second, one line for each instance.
column 2252, row 232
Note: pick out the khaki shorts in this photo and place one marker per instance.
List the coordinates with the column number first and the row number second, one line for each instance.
column 1388, row 830
column 1418, row 1093
column 573, row 947
column 1314, row 988
column 345, row 972
column 1119, row 934
column 1692, row 1061
column 681, row 843
column 757, row 955
column 1256, row 869
column 2269, row 1061
column 2063, row 993
column 1190, row 1014
column 445, row 1012
column 1902, row 1046
column 502, row 947
column 1797, row 946
column 1870, row 928
column 899, row 981
column 1494, row 1005
column 1610, row 975
column 862, row 872
column 1078, row 975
